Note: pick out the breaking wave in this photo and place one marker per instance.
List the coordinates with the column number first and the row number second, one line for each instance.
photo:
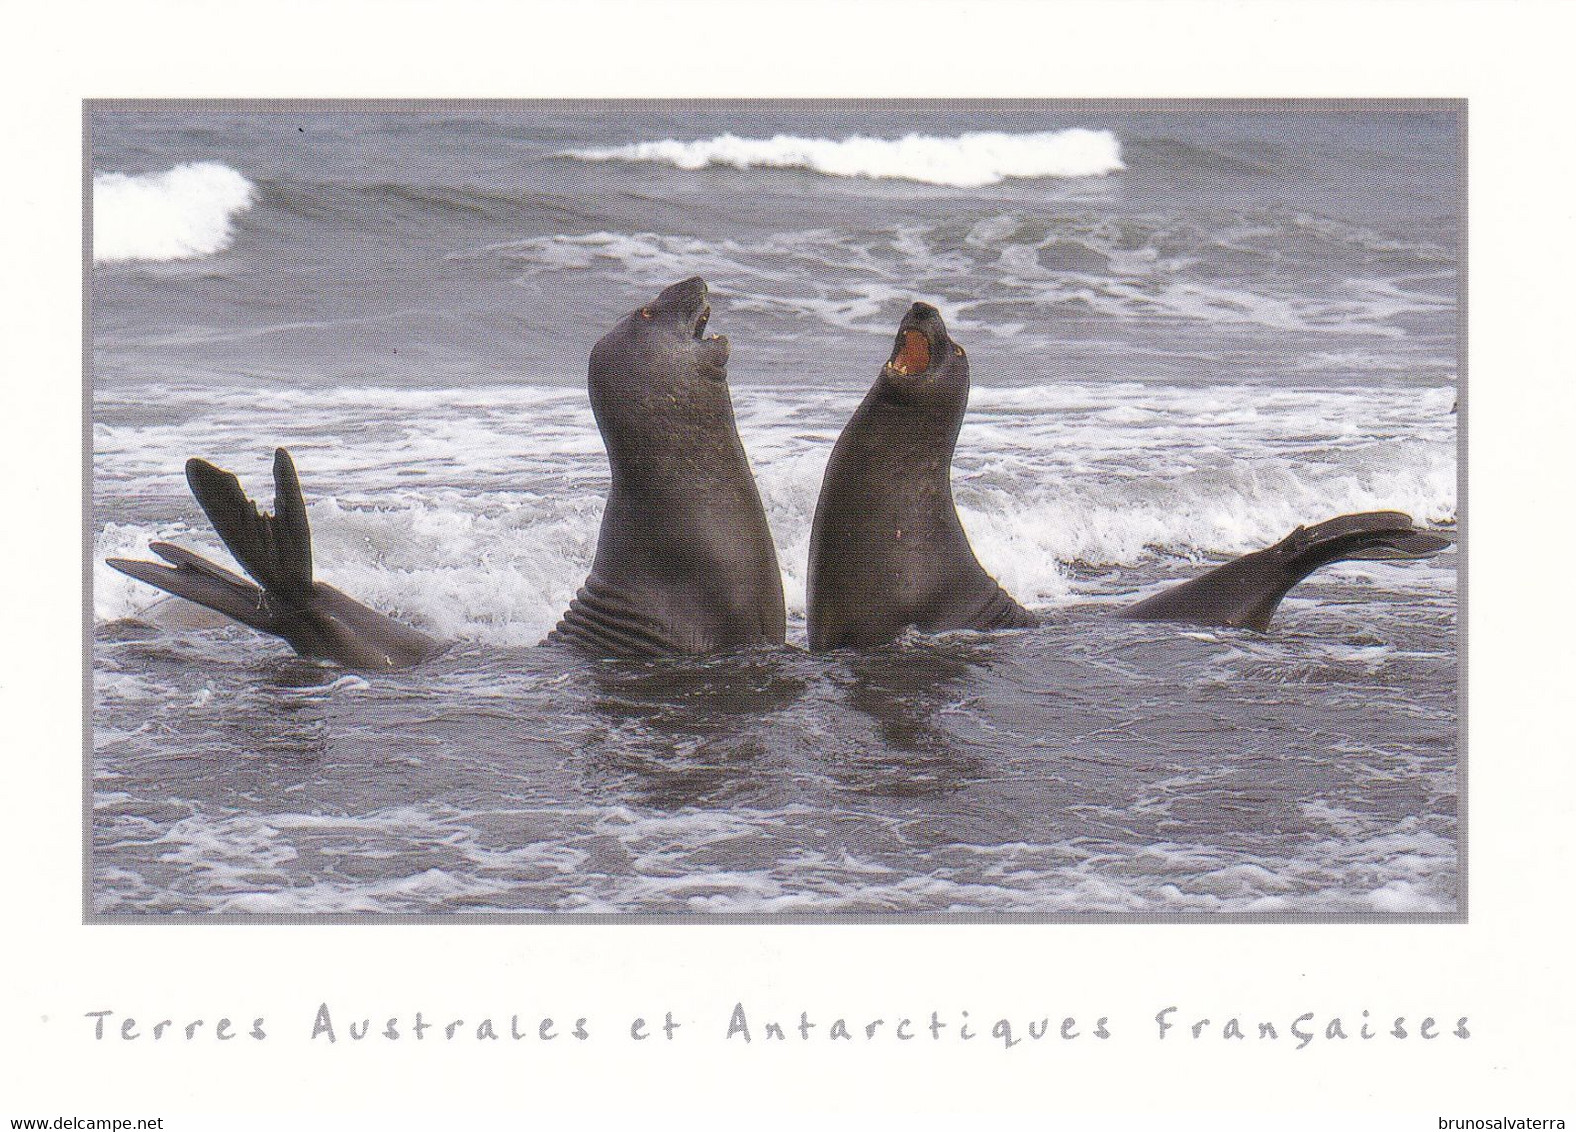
column 187, row 212
column 966, row 161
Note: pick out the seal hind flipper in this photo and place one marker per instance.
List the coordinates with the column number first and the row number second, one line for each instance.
column 180, row 556
column 1371, row 535
column 198, row 580
column 1245, row 592
column 276, row 549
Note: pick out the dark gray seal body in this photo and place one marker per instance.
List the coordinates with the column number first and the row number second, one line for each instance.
column 317, row 620
column 887, row 550
column 1245, row 592
column 684, row 559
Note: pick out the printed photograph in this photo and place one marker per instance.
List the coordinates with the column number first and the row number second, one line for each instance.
column 602, row 512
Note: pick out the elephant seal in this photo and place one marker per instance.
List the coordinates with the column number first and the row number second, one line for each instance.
column 684, row 560
column 886, row 548
column 1244, row 593
column 276, row 549
column 887, row 551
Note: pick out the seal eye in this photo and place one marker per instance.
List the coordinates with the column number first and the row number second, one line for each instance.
column 645, row 312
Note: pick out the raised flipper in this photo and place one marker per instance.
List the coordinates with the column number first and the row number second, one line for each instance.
column 1245, row 592
column 276, row 549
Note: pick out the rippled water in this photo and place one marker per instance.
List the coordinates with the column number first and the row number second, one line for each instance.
column 1250, row 326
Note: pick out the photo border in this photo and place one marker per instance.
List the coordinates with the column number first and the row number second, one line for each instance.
column 1457, row 106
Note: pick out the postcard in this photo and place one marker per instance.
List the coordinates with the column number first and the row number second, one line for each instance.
column 917, row 605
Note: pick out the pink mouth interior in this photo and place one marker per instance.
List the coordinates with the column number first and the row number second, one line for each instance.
column 914, row 357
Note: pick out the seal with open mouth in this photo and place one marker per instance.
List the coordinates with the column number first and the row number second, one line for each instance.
column 684, row 560
column 886, row 549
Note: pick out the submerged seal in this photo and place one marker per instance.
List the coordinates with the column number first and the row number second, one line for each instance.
column 684, row 560
column 886, row 549
column 888, row 553
column 276, row 549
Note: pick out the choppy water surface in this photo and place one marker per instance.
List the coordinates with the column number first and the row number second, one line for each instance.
column 1189, row 333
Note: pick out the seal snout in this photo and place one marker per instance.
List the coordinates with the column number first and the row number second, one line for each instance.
column 688, row 296
column 686, row 302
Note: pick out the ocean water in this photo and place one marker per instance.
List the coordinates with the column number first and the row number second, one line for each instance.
column 1189, row 330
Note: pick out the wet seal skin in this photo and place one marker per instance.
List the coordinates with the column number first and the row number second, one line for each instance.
column 1245, row 592
column 684, row 560
column 887, row 552
column 275, row 549
column 886, row 549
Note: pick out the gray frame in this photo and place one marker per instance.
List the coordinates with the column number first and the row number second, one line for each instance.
column 1457, row 106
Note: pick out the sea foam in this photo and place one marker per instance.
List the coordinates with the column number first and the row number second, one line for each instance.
column 186, row 212
column 480, row 527
column 966, row 161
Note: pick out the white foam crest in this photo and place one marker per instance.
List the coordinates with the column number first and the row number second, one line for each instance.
column 642, row 254
column 967, row 160
column 407, row 443
column 1137, row 295
column 368, row 398
column 1027, row 537
column 125, row 687
column 187, row 212
column 481, row 523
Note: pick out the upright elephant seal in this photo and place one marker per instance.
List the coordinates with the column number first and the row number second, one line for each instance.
column 276, row 549
column 684, row 560
column 887, row 551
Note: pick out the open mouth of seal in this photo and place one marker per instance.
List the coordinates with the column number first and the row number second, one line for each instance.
column 713, row 348
column 912, row 355
column 922, row 346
